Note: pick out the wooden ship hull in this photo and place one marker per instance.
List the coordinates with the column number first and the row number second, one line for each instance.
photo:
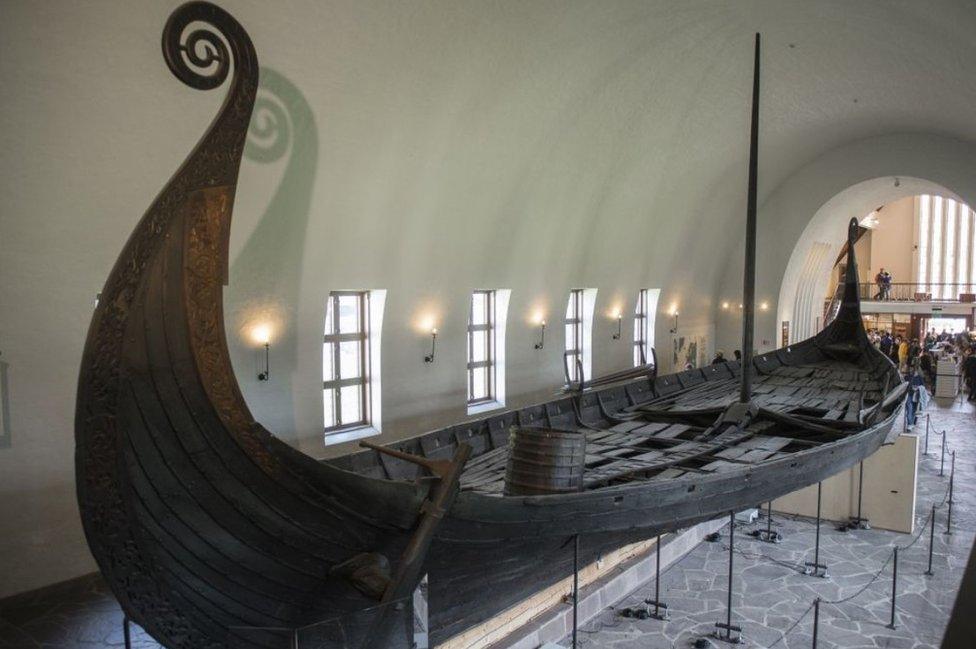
column 214, row 534
column 659, row 458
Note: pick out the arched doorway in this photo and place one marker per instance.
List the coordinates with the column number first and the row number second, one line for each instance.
column 807, row 279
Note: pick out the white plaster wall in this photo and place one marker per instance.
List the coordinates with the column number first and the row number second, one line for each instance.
column 889, row 494
column 893, row 241
column 436, row 148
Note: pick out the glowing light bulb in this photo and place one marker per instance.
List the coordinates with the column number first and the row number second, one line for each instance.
column 261, row 334
column 426, row 324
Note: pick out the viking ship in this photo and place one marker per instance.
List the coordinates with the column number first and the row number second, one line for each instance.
column 212, row 533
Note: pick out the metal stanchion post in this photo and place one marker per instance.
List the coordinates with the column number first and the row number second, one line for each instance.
column 859, row 522
column 658, row 604
column 294, row 639
column 768, row 535
column 815, row 567
column 728, row 608
column 727, row 626
column 942, row 461
column 931, row 540
column 894, row 588
column 952, row 475
column 927, row 426
column 575, row 587
column 126, row 634
column 816, row 620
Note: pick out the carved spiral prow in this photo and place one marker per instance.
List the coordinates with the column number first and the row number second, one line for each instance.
column 200, row 58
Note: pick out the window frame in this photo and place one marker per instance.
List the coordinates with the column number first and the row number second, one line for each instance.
column 575, row 306
column 490, row 327
column 335, row 338
column 641, row 329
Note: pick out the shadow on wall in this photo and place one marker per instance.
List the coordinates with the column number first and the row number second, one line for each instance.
column 265, row 276
column 4, row 408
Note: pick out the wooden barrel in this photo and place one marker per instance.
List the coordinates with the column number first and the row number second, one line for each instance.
column 543, row 461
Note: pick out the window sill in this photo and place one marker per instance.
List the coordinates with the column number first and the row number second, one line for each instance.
column 488, row 406
column 350, row 435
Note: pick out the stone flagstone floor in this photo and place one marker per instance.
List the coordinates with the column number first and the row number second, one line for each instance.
column 770, row 593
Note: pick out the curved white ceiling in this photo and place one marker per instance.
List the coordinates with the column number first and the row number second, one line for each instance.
column 622, row 125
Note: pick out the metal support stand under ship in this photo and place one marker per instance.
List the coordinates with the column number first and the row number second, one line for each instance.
column 214, row 534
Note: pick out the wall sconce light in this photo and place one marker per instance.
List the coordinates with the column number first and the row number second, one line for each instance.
column 725, row 305
column 263, row 335
column 429, row 358
column 674, row 329
column 764, row 306
column 620, row 319
column 542, row 335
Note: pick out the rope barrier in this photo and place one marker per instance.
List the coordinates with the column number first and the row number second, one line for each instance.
column 863, row 588
column 870, row 582
column 792, row 626
column 766, row 557
column 697, row 628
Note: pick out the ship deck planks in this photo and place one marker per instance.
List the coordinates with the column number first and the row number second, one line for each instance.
column 645, row 442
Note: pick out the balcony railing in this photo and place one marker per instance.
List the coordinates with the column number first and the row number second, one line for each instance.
column 918, row 292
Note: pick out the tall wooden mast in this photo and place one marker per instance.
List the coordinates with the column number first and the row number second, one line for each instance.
column 749, row 278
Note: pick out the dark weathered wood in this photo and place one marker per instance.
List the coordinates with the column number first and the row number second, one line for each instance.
column 544, row 461
column 749, row 271
column 410, row 567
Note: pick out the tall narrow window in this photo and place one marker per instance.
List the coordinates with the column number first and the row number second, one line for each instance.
column 965, row 278
column 346, row 361
column 578, row 358
column 936, row 253
column 644, row 325
column 573, row 357
column 481, row 348
column 924, row 205
column 949, row 259
column 945, row 263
